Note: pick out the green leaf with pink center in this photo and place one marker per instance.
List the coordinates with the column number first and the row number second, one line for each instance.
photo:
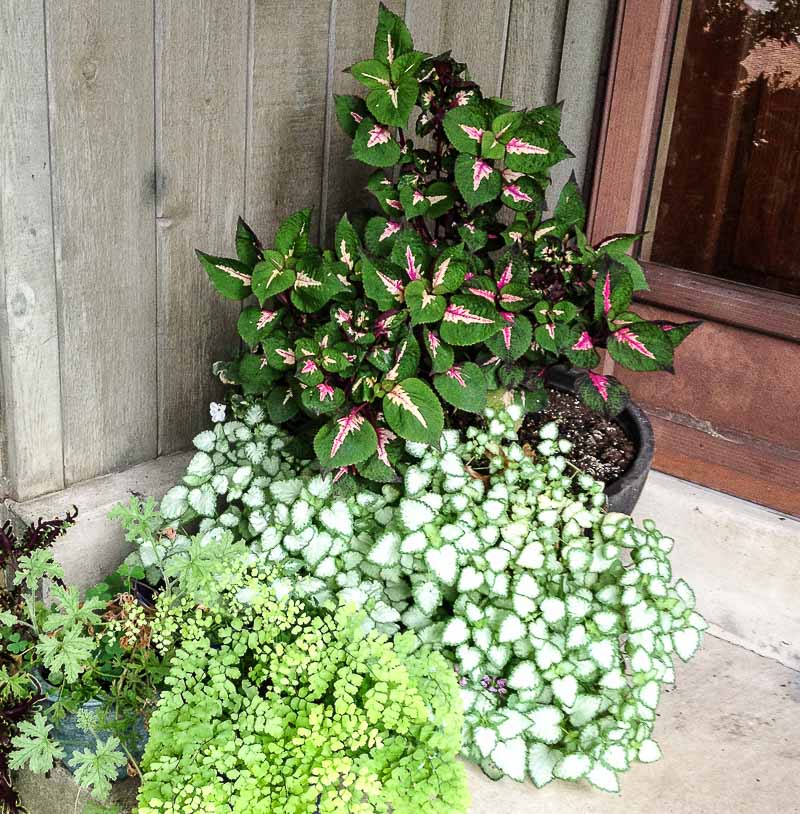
column 384, row 282
column 314, row 285
column 440, row 354
column 282, row 404
column 347, row 440
column 413, row 411
column 469, row 319
column 374, row 144
column 425, row 306
column 271, row 276
column 520, row 192
column 552, row 336
column 256, row 324
column 464, row 128
column 380, row 234
column 232, row 278
column 409, row 254
column 441, row 198
column 477, row 180
column 348, row 246
column 350, row 112
column 463, row 386
column 372, row 73
column 380, row 466
column 532, row 150
column 405, row 359
column 322, row 398
column 676, row 332
column 449, row 270
column 414, row 199
column 392, row 37
column 582, row 352
column 604, row 394
column 613, row 291
column 514, row 338
column 641, row 346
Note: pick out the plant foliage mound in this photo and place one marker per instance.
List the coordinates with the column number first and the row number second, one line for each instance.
column 561, row 620
column 455, row 286
column 272, row 707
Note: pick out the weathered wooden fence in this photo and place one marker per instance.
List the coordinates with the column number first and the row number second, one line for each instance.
column 132, row 131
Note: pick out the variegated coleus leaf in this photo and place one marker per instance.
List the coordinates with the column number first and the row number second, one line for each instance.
column 348, row 246
column 474, row 236
column 271, row 276
column 424, row 305
column 373, row 73
column 350, row 112
column 532, row 150
column 413, row 411
column 248, row 246
column 374, row 144
column 464, row 127
column 256, row 324
column 520, row 192
column 449, row 270
column 279, row 352
column 392, row 37
column 232, row 278
column 314, row 284
column 441, row 197
column 613, row 291
column 322, row 398
column 677, row 331
column 405, row 361
column 463, row 386
column 386, row 194
column 282, row 404
column 384, row 282
column 553, row 336
column 291, row 239
column 469, row 319
column 562, row 311
column 410, row 254
column 604, row 394
column 380, row 235
column 391, row 104
column 441, row 355
column 412, row 196
column 582, row 352
column 477, row 180
column 514, row 338
column 347, row 440
column 381, row 466
column 641, row 346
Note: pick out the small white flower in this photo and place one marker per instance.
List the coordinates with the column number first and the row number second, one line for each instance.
column 246, row 595
column 217, row 412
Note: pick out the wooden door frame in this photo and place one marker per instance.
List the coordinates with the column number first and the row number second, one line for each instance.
column 640, row 62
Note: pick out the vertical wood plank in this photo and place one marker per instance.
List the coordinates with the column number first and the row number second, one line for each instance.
column 201, row 88
column 586, row 36
column 288, row 100
column 533, row 55
column 100, row 76
column 30, row 387
column 475, row 33
column 351, row 38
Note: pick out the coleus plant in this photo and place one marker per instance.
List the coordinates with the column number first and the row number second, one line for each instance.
column 457, row 286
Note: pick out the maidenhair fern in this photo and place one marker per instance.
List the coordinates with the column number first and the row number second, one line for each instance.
column 561, row 620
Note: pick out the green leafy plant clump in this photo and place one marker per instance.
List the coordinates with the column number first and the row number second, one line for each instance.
column 272, row 706
column 457, row 285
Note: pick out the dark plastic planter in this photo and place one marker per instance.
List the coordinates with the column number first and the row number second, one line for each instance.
column 624, row 492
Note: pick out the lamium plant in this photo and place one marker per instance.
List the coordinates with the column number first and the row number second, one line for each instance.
column 560, row 619
column 458, row 285
column 274, row 706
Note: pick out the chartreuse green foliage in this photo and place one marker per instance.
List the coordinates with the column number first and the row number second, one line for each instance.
column 273, row 708
column 445, row 295
column 562, row 620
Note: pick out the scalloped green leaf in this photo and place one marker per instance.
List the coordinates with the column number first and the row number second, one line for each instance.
column 641, row 346
column 345, row 441
column 477, row 180
column 374, row 144
column 414, row 412
column 463, row 386
column 231, row 278
column 464, row 128
column 468, row 320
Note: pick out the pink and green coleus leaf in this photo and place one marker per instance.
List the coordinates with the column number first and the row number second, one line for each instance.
column 424, row 305
column 248, row 246
column 380, row 235
column 441, row 355
column 392, row 37
column 562, row 311
column 271, row 276
column 553, row 336
column 232, row 278
column 282, row 404
column 279, row 352
column 474, row 237
column 291, row 239
column 477, row 180
column 582, row 352
column 613, row 292
column 347, row 440
column 380, row 466
column 603, row 394
column 385, row 193
column 256, row 324
column 391, row 105
column 464, row 127
column 521, row 193
column 441, row 197
column 383, row 282
column 530, row 150
column 409, row 254
column 406, row 359
column 374, row 144
column 676, row 332
column 415, row 201
column 641, row 346
column 350, row 112
column 314, row 285
column 322, row 398
column 348, row 246
column 449, row 270
column 463, row 386
column 413, row 411
column 469, row 319
column 514, row 338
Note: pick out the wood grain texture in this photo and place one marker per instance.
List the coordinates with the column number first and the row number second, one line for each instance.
column 100, row 76
column 351, row 38
column 533, row 54
column 476, row 33
column 288, row 99
column 586, row 36
column 201, row 81
column 31, row 389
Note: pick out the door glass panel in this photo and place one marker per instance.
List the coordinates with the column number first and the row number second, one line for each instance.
column 725, row 199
